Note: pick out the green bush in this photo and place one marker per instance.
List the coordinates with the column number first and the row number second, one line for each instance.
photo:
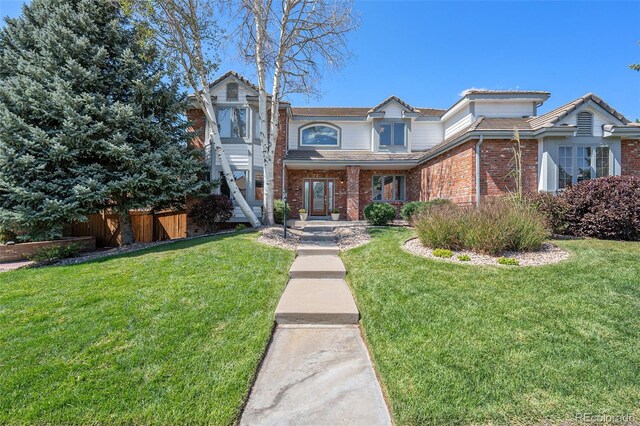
column 508, row 261
column 493, row 228
column 7, row 235
column 48, row 255
column 464, row 258
column 379, row 214
column 241, row 227
column 413, row 208
column 553, row 207
column 444, row 253
column 278, row 211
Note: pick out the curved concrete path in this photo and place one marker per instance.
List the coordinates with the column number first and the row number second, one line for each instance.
column 317, row 370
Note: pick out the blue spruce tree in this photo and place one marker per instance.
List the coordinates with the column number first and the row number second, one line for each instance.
column 89, row 119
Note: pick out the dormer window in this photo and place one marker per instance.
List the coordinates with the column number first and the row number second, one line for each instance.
column 392, row 134
column 232, row 91
column 585, row 124
column 320, row 135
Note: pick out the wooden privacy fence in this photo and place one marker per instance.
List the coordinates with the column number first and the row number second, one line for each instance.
column 147, row 227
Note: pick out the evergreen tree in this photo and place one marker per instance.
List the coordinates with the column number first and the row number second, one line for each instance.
column 88, row 119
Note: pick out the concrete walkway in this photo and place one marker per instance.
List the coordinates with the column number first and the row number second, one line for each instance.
column 317, row 369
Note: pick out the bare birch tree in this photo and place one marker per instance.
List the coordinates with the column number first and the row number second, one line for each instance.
column 293, row 40
column 189, row 32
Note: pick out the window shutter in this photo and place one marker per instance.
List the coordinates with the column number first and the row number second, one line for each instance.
column 585, row 124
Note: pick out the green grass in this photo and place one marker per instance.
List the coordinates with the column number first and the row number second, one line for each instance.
column 459, row 344
column 170, row 335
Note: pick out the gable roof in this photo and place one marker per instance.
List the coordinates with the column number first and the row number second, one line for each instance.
column 235, row 75
column 393, row 99
column 554, row 116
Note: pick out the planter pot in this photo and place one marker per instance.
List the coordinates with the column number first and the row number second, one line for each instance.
column 335, row 216
column 303, row 216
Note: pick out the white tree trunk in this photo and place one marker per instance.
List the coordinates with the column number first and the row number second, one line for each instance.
column 216, row 144
column 268, row 192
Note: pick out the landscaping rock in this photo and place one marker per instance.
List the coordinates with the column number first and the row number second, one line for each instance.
column 547, row 255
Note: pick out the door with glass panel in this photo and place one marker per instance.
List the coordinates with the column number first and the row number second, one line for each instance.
column 318, row 196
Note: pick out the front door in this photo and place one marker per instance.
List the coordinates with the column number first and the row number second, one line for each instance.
column 321, row 199
column 318, row 198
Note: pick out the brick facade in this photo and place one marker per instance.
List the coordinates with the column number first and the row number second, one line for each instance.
column 366, row 188
column 280, row 153
column 497, row 164
column 631, row 157
column 295, row 187
column 450, row 175
column 197, row 119
column 353, row 193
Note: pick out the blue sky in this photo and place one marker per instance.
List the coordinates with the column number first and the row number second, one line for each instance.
column 427, row 52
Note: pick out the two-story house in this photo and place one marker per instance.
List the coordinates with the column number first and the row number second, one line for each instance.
column 348, row 157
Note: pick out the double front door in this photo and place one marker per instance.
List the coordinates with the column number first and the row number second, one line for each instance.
column 319, row 196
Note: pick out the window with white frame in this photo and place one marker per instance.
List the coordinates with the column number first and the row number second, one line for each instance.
column 320, row 135
column 392, row 134
column 578, row 163
column 388, row 188
column 232, row 122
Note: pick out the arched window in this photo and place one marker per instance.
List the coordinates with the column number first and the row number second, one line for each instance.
column 320, row 134
column 232, row 91
column 585, row 124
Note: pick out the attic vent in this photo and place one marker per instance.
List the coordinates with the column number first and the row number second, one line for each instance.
column 585, row 124
column 232, row 91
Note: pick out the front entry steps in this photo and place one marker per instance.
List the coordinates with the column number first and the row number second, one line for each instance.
column 317, row 301
column 317, row 370
column 321, row 266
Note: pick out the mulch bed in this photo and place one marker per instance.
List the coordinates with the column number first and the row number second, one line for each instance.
column 547, row 255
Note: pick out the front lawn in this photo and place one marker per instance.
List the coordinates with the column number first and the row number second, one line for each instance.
column 466, row 344
column 170, row 335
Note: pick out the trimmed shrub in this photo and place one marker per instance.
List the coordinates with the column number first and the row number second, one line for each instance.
column 413, row 208
column 278, row 211
column 553, row 208
column 464, row 257
column 493, row 228
column 240, row 227
column 508, row 261
column 607, row 208
column 444, row 253
column 211, row 210
column 379, row 214
column 48, row 255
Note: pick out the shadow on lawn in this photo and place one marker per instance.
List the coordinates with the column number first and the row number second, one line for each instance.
column 167, row 247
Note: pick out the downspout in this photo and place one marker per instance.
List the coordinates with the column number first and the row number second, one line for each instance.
column 283, row 193
column 478, row 144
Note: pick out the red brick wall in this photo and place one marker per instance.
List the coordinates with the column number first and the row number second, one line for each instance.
column 197, row 119
column 366, row 187
column 496, row 164
column 630, row 157
column 280, row 152
column 353, row 193
column 22, row 251
column 450, row 175
column 295, row 187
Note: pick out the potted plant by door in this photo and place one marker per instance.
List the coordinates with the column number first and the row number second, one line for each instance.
column 335, row 214
column 303, row 214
